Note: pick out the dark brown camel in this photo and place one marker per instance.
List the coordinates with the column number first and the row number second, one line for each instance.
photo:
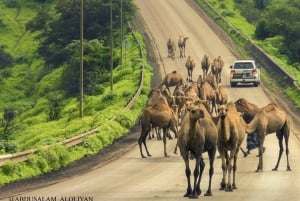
column 190, row 65
column 264, row 121
column 192, row 139
column 161, row 116
column 181, row 45
column 171, row 48
column 232, row 130
column 205, row 64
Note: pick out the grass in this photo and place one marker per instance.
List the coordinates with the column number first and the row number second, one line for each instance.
column 25, row 91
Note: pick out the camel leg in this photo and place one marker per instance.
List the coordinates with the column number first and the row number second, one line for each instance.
column 187, row 174
column 201, row 166
column 142, row 140
column 211, row 155
column 165, row 141
column 260, row 140
column 244, row 152
column 234, row 169
column 228, row 187
column 280, row 139
column 224, row 170
column 196, row 177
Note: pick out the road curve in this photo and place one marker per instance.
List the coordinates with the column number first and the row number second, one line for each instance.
column 131, row 178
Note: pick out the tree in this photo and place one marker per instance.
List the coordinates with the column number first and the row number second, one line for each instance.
column 61, row 31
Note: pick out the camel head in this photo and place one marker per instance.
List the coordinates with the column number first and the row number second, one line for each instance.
column 196, row 112
column 246, row 108
column 222, row 111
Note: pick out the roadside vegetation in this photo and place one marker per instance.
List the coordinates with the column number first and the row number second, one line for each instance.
column 39, row 76
column 271, row 24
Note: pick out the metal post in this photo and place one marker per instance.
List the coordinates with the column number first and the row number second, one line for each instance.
column 121, row 33
column 81, row 59
column 111, row 49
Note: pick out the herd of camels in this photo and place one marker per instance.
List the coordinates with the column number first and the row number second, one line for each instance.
column 203, row 120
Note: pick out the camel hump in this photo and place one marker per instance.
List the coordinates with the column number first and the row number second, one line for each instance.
column 270, row 107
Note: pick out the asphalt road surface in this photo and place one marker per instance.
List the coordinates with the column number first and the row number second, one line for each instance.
column 131, row 178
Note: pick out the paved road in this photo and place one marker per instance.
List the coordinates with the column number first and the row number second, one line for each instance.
column 131, row 178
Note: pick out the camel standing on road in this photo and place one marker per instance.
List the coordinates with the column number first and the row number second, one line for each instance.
column 190, row 65
column 232, row 130
column 162, row 116
column 263, row 121
column 181, row 45
column 216, row 68
column 191, row 139
column 205, row 64
column 170, row 80
column 171, row 48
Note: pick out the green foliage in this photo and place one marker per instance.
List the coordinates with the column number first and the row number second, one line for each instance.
column 32, row 90
column 57, row 37
column 5, row 59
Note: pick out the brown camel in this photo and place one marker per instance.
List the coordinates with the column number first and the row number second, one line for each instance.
column 192, row 91
column 205, row 64
column 192, row 139
column 216, row 68
column 232, row 130
column 155, row 96
column 221, row 96
column 171, row 48
column 211, row 79
column 206, row 92
column 161, row 116
column 264, row 121
column 190, row 65
column 220, row 67
column 170, row 80
column 181, row 45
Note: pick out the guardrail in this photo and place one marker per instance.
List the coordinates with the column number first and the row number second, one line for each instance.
column 259, row 54
column 23, row 156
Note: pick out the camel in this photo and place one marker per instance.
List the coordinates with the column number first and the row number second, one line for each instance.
column 171, row 48
column 170, row 80
column 216, row 68
column 160, row 115
column 221, row 65
column 192, row 91
column 232, row 131
column 196, row 136
column 181, row 45
column 264, row 121
column 155, row 96
column 190, row 65
column 211, row 79
column 205, row 64
column 206, row 92
column 221, row 96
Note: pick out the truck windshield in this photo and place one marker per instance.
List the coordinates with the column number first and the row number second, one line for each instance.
column 245, row 65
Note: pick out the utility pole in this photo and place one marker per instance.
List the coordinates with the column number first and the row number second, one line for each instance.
column 111, row 49
column 121, row 33
column 81, row 59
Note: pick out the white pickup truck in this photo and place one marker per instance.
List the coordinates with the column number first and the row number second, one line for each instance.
column 244, row 71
